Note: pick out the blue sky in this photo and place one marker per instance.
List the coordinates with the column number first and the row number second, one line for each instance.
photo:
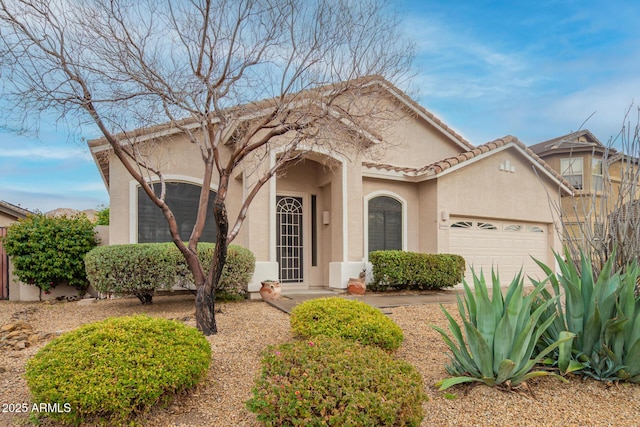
column 533, row 69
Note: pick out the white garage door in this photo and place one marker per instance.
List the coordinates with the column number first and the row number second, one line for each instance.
column 504, row 245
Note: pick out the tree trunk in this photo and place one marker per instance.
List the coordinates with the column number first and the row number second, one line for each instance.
column 205, row 316
column 205, row 295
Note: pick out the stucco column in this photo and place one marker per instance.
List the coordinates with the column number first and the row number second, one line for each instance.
column 347, row 215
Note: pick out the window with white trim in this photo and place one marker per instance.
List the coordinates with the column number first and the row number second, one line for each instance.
column 385, row 224
column 183, row 199
column 571, row 170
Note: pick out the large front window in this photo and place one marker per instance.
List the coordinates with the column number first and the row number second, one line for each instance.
column 385, row 224
column 183, row 200
column 572, row 171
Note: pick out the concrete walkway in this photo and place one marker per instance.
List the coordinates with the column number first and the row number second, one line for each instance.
column 288, row 300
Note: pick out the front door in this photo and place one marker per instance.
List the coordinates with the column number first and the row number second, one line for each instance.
column 289, row 248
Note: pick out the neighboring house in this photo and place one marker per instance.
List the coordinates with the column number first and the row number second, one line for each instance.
column 9, row 214
column 314, row 225
column 595, row 171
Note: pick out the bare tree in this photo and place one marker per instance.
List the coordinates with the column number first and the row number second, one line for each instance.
column 605, row 215
column 198, row 67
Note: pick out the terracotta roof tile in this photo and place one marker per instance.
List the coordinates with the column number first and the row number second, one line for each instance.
column 444, row 164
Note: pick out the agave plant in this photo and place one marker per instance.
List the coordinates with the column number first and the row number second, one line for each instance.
column 603, row 313
column 501, row 335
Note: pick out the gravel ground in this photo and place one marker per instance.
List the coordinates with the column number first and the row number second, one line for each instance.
column 248, row 327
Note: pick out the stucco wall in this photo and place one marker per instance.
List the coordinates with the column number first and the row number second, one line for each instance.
column 481, row 189
column 429, row 217
column 411, row 141
column 6, row 220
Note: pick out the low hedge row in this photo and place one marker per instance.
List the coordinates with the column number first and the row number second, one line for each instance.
column 400, row 270
column 143, row 268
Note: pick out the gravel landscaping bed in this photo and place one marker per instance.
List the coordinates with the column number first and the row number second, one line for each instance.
column 246, row 328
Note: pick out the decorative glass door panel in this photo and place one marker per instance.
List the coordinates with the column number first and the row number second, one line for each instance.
column 289, row 248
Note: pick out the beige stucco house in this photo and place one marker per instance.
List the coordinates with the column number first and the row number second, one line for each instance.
column 314, row 225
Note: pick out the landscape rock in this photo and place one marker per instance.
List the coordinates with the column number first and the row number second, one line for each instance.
column 18, row 335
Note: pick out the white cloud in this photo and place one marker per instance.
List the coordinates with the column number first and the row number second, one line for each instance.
column 456, row 64
column 45, row 153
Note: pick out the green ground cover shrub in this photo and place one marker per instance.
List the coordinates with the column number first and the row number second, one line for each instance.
column 111, row 370
column 335, row 382
column 46, row 252
column 143, row 268
column 500, row 335
column 399, row 270
column 604, row 314
column 349, row 319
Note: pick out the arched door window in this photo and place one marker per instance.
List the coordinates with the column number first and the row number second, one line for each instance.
column 385, row 224
column 183, row 200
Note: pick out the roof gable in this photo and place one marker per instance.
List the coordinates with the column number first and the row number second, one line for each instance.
column 100, row 148
column 579, row 141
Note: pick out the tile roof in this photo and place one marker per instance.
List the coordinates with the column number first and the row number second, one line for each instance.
column 460, row 159
column 100, row 148
column 569, row 142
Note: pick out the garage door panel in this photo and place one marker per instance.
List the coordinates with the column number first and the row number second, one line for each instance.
column 508, row 247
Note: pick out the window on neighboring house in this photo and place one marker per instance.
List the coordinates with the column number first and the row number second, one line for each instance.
column 385, row 224
column 598, row 231
column 182, row 199
column 597, row 175
column 572, row 171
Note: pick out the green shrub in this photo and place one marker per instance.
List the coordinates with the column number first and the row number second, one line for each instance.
column 335, row 382
column 110, row 370
column 46, row 252
column 500, row 338
column 236, row 274
column 102, row 215
column 603, row 313
column 349, row 319
column 143, row 268
column 399, row 270
column 138, row 269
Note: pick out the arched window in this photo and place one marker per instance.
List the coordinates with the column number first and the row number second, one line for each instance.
column 385, row 224
column 183, row 200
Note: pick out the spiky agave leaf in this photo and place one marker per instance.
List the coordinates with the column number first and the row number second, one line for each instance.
column 512, row 331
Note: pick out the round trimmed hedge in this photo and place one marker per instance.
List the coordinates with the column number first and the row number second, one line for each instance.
column 107, row 371
column 344, row 318
column 336, row 382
